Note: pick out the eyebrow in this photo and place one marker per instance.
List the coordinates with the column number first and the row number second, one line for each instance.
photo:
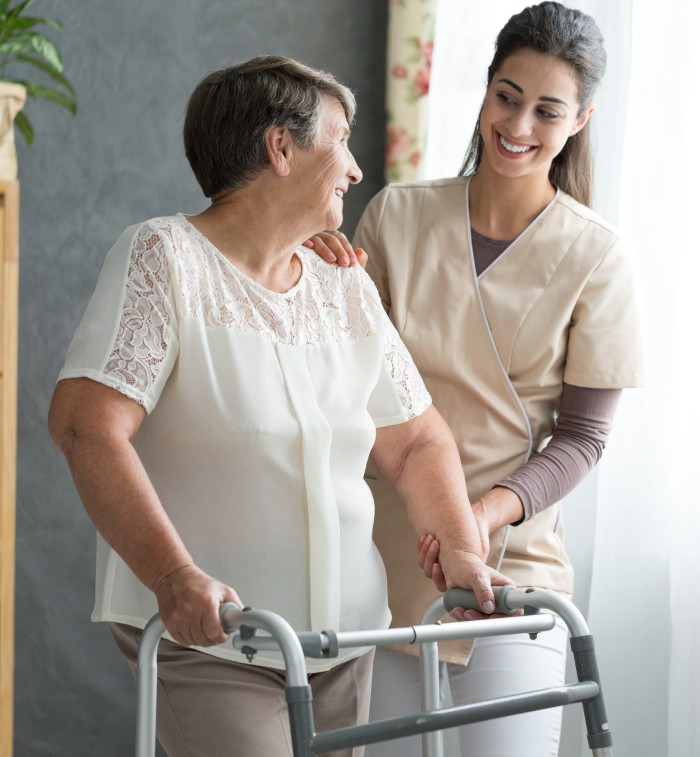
column 543, row 98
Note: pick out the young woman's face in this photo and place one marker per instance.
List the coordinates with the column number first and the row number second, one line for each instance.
column 531, row 108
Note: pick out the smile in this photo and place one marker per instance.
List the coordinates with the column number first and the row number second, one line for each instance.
column 513, row 148
column 339, row 193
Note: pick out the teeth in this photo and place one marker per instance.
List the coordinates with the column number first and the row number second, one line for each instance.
column 339, row 192
column 513, row 148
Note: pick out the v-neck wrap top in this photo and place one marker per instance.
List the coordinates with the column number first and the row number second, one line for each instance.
column 559, row 305
column 261, row 414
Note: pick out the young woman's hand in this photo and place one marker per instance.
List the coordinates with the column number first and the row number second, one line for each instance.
column 428, row 560
column 335, row 247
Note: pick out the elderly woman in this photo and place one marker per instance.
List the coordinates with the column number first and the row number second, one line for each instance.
column 201, row 412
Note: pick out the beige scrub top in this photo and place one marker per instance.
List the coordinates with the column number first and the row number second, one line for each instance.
column 560, row 304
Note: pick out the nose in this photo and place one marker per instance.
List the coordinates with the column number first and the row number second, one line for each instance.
column 520, row 123
column 354, row 174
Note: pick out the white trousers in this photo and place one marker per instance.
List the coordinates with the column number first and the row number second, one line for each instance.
column 500, row 666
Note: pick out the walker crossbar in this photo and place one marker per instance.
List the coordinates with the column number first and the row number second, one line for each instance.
column 433, row 719
column 323, row 644
column 422, row 722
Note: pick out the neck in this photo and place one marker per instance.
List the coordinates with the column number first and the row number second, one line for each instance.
column 503, row 207
column 248, row 227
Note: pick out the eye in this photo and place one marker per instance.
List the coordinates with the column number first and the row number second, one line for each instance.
column 505, row 99
column 548, row 114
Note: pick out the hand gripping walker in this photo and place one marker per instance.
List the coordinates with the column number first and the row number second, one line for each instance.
column 247, row 622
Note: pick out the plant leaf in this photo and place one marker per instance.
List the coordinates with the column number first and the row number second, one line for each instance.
column 20, row 44
column 39, row 90
column 26, row 22
column 47, row 47
column 25, row 128
column 14, row 12
column 47, row 68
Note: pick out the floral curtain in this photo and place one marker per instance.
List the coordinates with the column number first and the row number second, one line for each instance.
column 409, row 60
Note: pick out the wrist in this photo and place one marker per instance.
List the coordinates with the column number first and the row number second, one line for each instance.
column 499, row 507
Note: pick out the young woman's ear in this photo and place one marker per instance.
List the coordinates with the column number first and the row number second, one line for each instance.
column 582, row 121
column 278, row 145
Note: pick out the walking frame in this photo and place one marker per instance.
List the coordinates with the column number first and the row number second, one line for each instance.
column 246, row 624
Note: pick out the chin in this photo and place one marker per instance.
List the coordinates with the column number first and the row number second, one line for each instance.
column 333, row 222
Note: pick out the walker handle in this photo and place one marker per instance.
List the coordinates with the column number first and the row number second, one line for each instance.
column 467, row 599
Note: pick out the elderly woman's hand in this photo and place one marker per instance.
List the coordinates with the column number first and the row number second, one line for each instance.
column 467, row 570
column 335, row 247
column 189, row 601
column 428, row 559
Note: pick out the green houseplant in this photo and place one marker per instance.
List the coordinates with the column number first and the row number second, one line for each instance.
column 22, row 47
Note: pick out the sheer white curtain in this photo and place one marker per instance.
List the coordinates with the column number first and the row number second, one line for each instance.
column 634, row 525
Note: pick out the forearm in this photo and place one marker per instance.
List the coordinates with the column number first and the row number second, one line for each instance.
column 122, row 503
column 430, row 481
column 580, row 435
column 434, row 493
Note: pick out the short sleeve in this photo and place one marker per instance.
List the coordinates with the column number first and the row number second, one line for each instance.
column 127, row 338
column 606, row 342
column 367, row 237
column 400, row 393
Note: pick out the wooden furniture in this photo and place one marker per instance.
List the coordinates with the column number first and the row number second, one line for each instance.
column 9, row 259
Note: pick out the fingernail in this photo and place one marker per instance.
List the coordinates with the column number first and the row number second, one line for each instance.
column 457, row 615
column 489, row 607
column 344, row 260
column 469, row 615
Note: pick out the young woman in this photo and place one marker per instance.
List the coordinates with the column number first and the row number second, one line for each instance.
column 519, row 306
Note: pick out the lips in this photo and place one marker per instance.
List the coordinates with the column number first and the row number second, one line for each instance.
column 513, row 149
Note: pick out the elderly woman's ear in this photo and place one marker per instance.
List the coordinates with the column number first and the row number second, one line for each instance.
column 279, row 143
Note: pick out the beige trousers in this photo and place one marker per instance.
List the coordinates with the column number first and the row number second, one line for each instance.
column 209, row 707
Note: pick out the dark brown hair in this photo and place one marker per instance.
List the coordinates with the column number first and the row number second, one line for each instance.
column 231, row 109
column 574, row 38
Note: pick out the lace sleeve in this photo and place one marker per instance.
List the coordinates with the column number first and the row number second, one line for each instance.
column 146, row 341
column 412, row 392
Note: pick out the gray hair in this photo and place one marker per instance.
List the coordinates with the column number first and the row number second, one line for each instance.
column 231, row 109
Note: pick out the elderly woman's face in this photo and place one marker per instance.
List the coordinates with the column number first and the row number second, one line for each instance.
column 326, row 170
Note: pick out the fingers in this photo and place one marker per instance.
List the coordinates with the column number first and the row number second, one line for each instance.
column 459, row 613
column 361, row 256
column 483, row 578
column 428, row 551
column 335, row 247
column 428, row 554
column 439, row 578
column 483, row 592
column 189, row 604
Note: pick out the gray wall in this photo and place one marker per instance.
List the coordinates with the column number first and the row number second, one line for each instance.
column 133, row 62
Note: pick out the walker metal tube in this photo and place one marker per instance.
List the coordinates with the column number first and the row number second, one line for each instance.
column 410, row 725
column 413, row 634
column 509, row 599
column 232, row 618
column 147, row 685
column 433, row 741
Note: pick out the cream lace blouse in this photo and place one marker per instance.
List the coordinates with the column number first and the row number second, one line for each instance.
column 262, row 410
